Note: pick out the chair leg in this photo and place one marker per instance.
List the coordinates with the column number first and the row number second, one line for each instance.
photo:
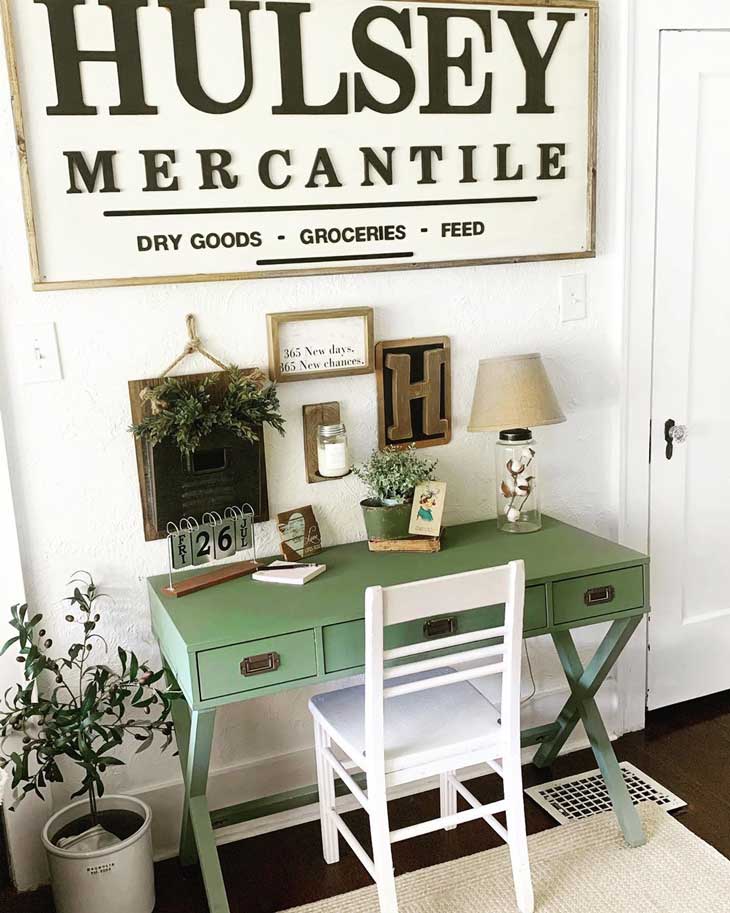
column 448, row 799
column 517, row 833
column 326, row 788
column 382, row 855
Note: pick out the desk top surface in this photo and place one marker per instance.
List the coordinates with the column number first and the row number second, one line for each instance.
column 244, row 609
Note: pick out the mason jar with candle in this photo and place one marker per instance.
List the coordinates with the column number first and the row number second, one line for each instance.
column 333, row 456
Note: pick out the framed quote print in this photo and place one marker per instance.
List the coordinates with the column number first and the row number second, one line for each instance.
column 304, row 345
column 184, row 140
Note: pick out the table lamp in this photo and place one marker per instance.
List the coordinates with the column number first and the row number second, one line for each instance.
column 512, row 395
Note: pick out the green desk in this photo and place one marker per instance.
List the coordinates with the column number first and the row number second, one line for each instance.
column 243, row 639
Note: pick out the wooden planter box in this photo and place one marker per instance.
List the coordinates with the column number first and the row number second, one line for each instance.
column 225, row 471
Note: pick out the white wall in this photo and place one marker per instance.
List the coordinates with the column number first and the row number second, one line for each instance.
column 72, row 459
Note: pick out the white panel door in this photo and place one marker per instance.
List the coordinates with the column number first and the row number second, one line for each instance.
column 689, row 631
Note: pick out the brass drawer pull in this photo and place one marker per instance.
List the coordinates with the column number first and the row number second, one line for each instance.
column 257, row 665
column 439, row 627
column 599, row 595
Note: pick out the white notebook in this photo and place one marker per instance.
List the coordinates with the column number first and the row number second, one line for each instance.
column 296, row 576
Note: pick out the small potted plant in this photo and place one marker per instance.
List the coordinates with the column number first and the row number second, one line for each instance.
column 70, row 709
column 391, row 476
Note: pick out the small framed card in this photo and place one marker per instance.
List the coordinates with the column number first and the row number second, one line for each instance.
column 299, row 533
column 428, row 509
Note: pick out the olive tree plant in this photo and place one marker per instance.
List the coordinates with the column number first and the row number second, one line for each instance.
column 71, row 707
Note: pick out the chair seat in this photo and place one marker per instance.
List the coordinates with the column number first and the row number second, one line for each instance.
column 420, row 727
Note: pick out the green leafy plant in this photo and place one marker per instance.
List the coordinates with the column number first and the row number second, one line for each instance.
column 188, row 412
column 392, row 475
column 71, row 708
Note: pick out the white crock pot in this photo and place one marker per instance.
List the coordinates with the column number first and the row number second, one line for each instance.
column 117, row 879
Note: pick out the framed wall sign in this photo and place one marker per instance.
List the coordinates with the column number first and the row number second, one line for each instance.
column 185, row 141
column 307, row 344
column 224, row 469
column 414, row 392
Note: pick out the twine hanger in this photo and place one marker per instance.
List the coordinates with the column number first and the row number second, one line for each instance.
column 192, row 346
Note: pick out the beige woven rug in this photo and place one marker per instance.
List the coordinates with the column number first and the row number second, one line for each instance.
column 583, row 867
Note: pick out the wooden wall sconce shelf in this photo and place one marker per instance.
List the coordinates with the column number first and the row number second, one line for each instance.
column 319, row 478
column 312, row 417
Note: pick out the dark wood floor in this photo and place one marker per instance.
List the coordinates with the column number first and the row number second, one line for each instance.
column 687, row 748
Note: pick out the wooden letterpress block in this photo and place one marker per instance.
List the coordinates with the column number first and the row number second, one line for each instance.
column 414, row 392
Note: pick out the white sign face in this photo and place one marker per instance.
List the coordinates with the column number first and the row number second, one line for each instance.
column 329, row 345
column 324, row 345
column 240, row 138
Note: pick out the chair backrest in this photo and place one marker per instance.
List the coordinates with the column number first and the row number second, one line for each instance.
column 385, row 606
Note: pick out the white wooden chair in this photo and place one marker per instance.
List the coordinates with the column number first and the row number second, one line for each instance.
column 424, row 717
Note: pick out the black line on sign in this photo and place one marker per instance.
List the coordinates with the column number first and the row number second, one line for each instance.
column 282, row 261
column 312, row 207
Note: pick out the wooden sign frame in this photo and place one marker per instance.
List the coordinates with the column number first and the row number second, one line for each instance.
column 144, row 469
column 276, row 321
column 308, row 264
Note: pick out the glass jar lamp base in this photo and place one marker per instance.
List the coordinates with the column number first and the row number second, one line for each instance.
column 521, row 526
column 518, row 509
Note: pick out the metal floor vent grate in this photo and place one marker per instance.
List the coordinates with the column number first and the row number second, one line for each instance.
column 583, row 795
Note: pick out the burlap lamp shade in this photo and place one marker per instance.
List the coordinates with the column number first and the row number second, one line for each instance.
column 513, row 392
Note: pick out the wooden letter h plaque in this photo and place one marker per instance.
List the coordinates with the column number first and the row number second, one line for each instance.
column 414, row 392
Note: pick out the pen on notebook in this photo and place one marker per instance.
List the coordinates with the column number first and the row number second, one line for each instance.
column 284, row 567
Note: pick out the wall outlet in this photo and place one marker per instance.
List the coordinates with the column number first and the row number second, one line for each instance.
column 41, row 360
column 573, row 298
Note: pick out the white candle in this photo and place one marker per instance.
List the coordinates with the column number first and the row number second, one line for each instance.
column 333, row 459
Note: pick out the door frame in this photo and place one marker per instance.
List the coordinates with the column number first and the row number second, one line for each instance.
column 28, row 866
column 650, row 19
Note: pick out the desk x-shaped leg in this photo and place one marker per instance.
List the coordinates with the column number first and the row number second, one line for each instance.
column 584, row 683
column 194, row 734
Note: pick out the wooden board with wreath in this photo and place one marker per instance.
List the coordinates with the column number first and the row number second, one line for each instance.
column 199, row 441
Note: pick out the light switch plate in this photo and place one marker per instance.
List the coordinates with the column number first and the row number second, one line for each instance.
column 574, row 297
column 41, row 360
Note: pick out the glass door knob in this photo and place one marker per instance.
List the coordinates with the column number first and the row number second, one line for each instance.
column 673, row 434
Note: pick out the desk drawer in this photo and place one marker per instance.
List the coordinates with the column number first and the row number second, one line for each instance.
column 256, row 664
column 598, row 594
column 344, row 644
